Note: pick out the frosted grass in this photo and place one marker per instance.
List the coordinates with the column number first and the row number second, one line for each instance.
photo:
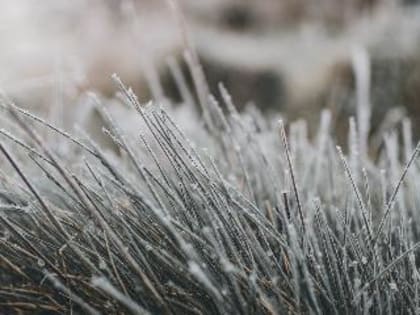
column 264, row 220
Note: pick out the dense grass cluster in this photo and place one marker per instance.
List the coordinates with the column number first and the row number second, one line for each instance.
column 263, row 221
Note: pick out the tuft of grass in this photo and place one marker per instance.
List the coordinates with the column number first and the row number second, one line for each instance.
column 264, row 221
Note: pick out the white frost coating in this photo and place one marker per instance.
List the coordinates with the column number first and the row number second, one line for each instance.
column 103, row 284
column 201, row 276
column 362, row 72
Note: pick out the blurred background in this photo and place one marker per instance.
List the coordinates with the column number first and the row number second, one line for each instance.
column 294, row 56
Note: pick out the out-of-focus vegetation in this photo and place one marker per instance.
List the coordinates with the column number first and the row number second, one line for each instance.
column 293, row 56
